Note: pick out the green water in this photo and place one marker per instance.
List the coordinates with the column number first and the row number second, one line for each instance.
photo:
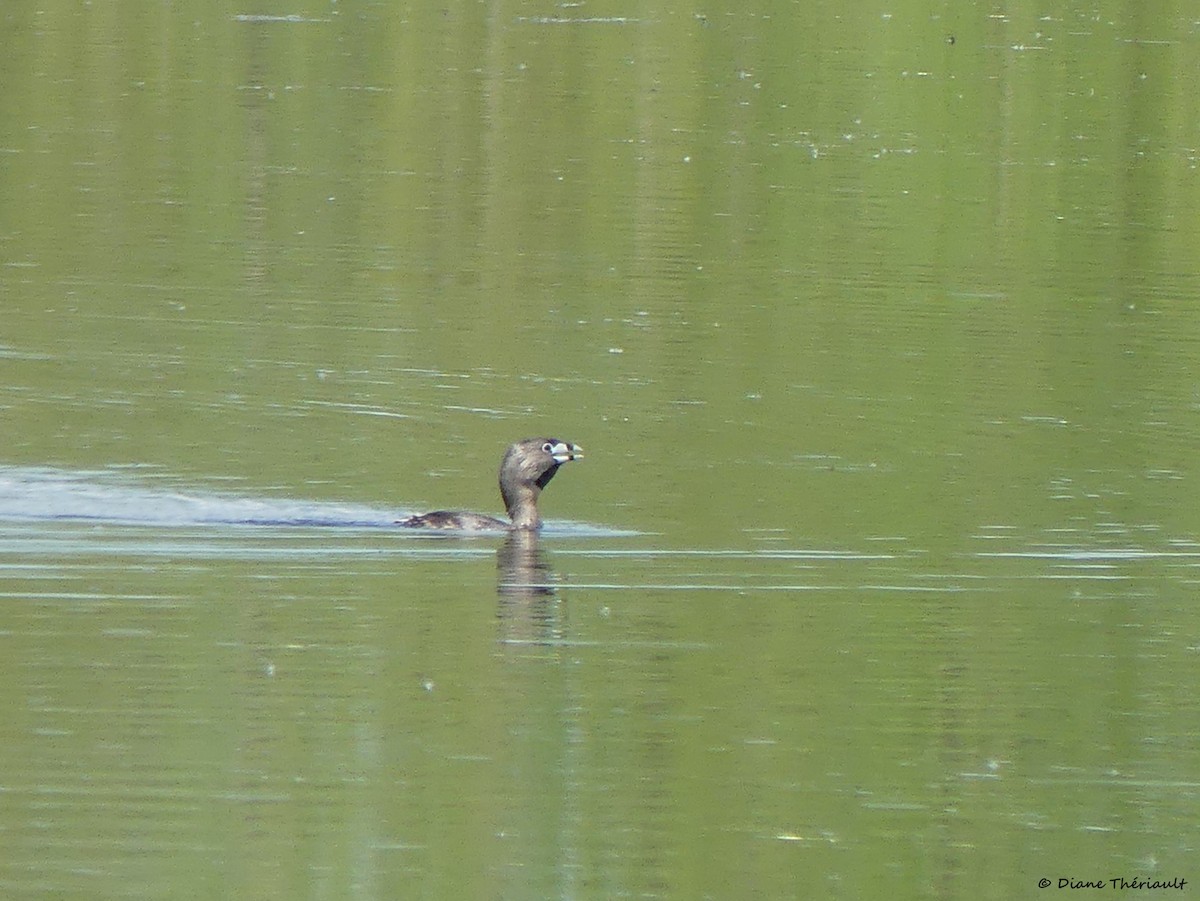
column 879, row 326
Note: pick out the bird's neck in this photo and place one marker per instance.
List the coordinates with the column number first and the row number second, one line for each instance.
column 521, row 504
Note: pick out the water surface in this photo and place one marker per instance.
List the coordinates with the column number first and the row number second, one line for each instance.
column 879, row 326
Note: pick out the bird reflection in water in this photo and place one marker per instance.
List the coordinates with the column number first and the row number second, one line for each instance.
column 529, row 609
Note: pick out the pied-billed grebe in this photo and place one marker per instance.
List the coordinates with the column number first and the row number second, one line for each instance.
column 527, row 467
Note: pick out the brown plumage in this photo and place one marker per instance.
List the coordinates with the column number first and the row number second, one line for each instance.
column 527, row 467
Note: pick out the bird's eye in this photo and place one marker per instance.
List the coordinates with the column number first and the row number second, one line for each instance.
column 548, row 447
